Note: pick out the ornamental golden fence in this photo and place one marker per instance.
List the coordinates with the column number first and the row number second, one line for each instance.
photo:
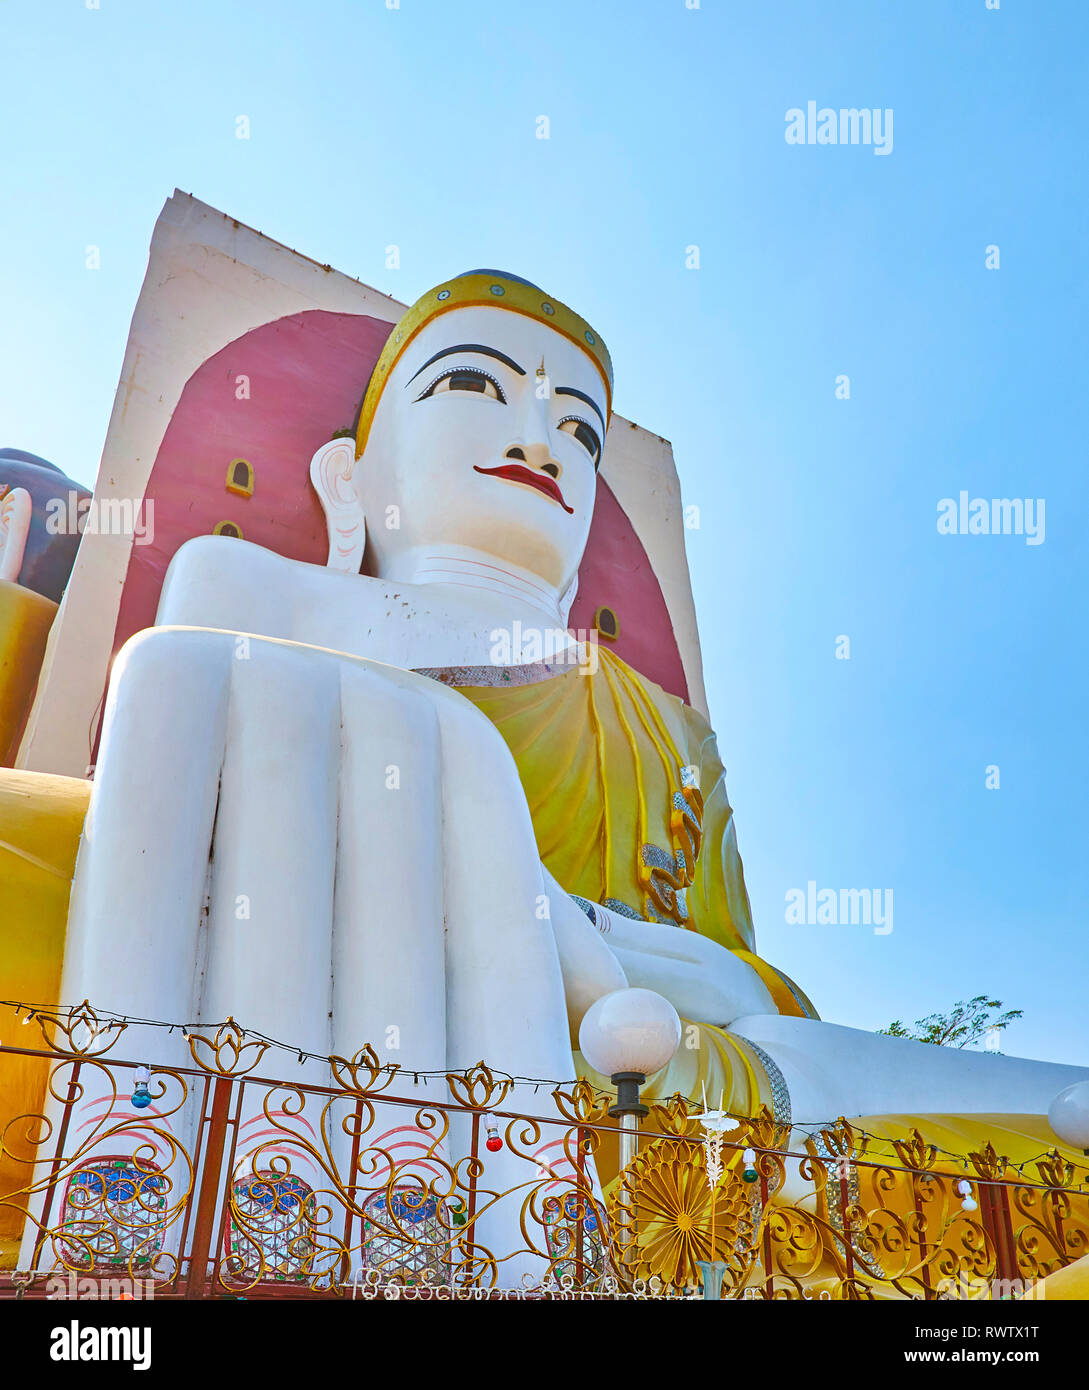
column 210, row 1181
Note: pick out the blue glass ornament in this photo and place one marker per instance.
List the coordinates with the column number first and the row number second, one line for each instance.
column 141, row 1096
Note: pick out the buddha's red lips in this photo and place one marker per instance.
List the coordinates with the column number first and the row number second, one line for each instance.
column 515, row 473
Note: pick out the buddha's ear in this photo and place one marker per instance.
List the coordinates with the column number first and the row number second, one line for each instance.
column 331, row 473
column 15, row 514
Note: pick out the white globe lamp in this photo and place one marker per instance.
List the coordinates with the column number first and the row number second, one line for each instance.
column 628, row 1035
column 1068, row 1115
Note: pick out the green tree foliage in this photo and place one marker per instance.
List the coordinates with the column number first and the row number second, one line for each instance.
column 963, row 1025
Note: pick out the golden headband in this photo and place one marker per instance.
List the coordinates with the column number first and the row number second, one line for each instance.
column 479, row 288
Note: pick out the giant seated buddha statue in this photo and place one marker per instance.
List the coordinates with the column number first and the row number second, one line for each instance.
column 445, row 813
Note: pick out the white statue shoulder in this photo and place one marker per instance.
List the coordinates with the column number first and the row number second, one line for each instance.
column 234, row 585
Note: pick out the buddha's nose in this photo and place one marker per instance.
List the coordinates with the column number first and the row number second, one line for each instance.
column 536, row 455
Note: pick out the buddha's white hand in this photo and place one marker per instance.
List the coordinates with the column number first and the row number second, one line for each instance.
column 702, row 980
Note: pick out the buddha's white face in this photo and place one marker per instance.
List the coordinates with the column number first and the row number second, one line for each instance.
column 474, row 449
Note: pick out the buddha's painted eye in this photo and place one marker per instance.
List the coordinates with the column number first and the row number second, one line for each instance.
column 584, row 433
column 465, row 379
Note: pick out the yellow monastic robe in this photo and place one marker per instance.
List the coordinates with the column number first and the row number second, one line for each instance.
column 628, row 799
column 606, row 761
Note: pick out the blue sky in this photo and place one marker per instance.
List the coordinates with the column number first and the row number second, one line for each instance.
column 416, row 127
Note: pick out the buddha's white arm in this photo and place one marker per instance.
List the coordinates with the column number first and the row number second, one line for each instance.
column 702, row 980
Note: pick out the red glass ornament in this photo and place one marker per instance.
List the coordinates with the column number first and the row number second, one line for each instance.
column 493, row 1143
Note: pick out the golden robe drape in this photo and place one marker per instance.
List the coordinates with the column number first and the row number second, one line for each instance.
column 605, row 758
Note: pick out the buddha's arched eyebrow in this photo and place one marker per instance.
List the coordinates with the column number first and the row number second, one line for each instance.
column 570, row 391
column 469, row 347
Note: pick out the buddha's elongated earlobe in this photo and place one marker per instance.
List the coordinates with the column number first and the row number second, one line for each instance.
column 331, row 473
column 15, row 513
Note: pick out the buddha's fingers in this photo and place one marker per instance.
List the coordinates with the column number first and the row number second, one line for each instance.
column 692, row 992
column 713, row 990
column 655, row 938
column 698, row 969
